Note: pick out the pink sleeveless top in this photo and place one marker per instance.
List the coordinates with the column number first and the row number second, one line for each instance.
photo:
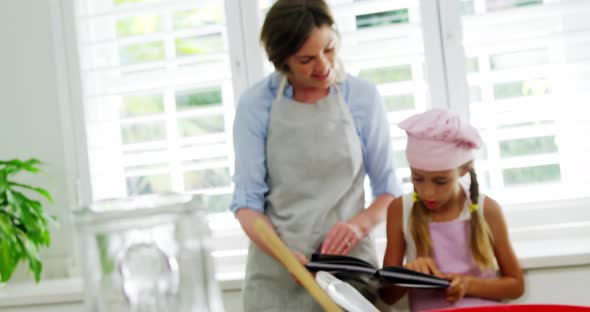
column 452, row 254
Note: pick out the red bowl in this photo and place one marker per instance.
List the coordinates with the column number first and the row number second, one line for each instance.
column 521, row 308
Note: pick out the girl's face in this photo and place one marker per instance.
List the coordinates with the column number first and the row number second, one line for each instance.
column 312, row 66
column 436, row 188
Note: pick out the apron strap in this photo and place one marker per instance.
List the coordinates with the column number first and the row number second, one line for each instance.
column 281, row 88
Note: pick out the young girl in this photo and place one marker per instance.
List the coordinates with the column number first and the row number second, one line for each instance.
column 446, row 228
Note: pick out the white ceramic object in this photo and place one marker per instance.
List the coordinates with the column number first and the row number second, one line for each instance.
column 344, row 294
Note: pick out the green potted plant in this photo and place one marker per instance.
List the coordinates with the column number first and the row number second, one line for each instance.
column 24, row 223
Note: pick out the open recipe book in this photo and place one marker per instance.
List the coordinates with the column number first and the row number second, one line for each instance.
column 392, row 274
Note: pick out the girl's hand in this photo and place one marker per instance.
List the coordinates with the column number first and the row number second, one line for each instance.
column 341, row 239
column 458, row 288
column 424, row 265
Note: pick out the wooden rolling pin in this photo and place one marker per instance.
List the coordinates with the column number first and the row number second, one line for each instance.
column 288, row 260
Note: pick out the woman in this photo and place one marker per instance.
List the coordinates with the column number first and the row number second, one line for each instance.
column 304, row 138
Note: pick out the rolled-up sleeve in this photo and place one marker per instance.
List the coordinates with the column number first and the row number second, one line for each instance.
column 249, row 141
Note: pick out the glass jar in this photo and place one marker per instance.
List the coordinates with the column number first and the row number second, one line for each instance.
column 146, row 254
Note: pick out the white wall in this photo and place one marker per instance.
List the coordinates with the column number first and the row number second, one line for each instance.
column 565, row 285
column 31, row 119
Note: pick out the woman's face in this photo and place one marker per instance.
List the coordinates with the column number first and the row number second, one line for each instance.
column 313, row 65
column 436, row 188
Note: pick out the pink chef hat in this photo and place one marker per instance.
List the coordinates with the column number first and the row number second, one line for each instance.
column 439, row 140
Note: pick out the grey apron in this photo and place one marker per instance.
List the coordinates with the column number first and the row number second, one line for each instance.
column 315, row 176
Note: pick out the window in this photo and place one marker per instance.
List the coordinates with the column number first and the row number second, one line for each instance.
column 160, row 83
column 526, row 63
column 156, row 122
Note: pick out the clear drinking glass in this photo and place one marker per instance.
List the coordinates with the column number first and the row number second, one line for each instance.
column 147, row 254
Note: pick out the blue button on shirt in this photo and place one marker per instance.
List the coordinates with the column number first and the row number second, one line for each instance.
column 251, row 128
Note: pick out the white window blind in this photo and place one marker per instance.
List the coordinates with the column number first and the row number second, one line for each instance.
column 158, row 97
column 528, row 68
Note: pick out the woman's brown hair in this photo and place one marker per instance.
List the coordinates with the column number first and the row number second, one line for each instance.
column 288, row 24
column 481, row 240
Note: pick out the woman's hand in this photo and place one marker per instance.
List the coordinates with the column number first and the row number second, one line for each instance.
column 341, row 239
column 458, row 288
column 302, row 259
column 344, row 236
column 424, row 265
